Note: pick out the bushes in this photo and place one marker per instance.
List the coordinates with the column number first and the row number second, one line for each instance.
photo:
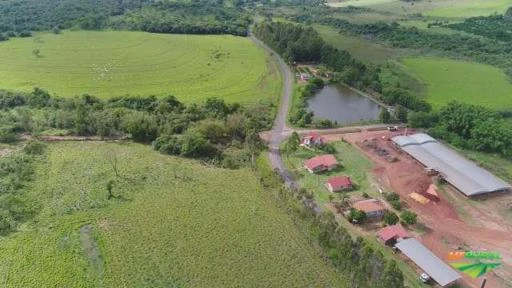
column 390, row 218
column 409, row 217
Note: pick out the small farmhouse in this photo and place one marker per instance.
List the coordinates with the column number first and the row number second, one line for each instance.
column 312, row 139
column 339, row 183
column 372, row 207
column 390, row 234
column 321, row 163
column 304, row 76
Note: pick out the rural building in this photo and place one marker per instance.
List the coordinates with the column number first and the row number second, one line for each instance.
column 339, row 183
column 390, row 234
column 372, row 207
column 321, row 163
column 431, row 193
column 466, row 176
column 312, row 139
column 439, row 271
column 304, row 76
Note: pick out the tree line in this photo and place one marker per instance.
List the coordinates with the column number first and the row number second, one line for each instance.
column 219, row 133
column 354, row 259
column 468, row 126
column 497, row 27
column 297, row 43
column 21, row 17
column 482, row 50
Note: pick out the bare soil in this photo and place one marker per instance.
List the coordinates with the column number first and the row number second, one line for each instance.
column 455, row 222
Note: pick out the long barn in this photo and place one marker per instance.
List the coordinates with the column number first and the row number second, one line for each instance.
column 463, row 174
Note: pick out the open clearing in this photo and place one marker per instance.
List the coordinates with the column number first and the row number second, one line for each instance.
column 113, row 63
column 468, row 82
column 174, row 223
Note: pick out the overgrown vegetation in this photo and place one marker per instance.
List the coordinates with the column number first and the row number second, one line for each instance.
column 224, row 134
column 468, row 126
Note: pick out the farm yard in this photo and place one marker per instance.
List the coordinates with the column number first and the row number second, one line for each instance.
column 112, row 63
column 455, row 221
column 467, row 82
column 171, row 222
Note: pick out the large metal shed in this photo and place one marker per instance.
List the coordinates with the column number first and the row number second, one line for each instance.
column 441, row 272
column 465, row 175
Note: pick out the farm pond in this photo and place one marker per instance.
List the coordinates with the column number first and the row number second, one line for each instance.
column 343, row 105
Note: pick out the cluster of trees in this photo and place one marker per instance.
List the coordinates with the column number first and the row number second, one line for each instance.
column 498, row 27
column 196, row 17
column 468, row 126
column 16, row 171
column 297, row 43
column 300, row 116
column 359, row 263
column 224, row 134
column 20, row 17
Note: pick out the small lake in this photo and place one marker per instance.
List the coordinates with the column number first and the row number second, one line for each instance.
column 338, row 103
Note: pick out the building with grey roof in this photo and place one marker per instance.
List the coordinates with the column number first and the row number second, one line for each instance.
column 463, row 174
column 439, row 271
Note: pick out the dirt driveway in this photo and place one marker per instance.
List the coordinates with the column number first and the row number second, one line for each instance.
column 455, row 222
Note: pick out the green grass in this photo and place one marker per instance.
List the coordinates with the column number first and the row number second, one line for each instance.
column 355, row 165
column 362, row 49
column 434, row 8
column 113, row 63
column 468, row 82
column 176, row 224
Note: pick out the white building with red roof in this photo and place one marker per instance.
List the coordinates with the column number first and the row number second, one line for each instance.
column 321, row 163
column 312, row 139
column 339, row 183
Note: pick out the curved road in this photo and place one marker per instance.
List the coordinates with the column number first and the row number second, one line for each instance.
column 277, row 133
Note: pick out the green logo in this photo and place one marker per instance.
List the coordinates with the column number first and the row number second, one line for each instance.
column 474, row 263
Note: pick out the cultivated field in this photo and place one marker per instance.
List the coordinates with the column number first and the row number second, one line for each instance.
column 172, row 223
column 109, row 63
column 468, row 82
column 434, row 8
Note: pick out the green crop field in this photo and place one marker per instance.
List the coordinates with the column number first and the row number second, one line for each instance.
column 434, row 8
column 113, row 63
column 173, row 223
column 468, row 82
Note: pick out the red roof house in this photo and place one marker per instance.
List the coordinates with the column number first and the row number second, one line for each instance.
column 313, row 139
column 321, row 163
column 339, row 183
column 372, row 207
column 390, row 234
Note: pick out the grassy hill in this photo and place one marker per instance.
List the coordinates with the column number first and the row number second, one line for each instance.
column 468, row 82
column 173, row 223
column 109, row 63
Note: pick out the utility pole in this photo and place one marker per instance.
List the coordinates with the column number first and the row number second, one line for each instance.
column 483, row 283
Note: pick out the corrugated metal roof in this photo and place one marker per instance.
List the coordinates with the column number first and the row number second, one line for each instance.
column 441, row 272
column 465, row 175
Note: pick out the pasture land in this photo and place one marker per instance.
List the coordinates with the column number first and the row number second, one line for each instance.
column 172, row 223
column 433, row 8
column 467, row 82
column 362, row 49
column 114, row 63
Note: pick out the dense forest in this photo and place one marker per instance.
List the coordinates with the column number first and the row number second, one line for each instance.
column 468, row 126
column 21, row 17
column 304, row 44
column 221, row 134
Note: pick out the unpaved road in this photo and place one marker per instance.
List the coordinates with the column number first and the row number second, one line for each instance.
column 278, row 132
